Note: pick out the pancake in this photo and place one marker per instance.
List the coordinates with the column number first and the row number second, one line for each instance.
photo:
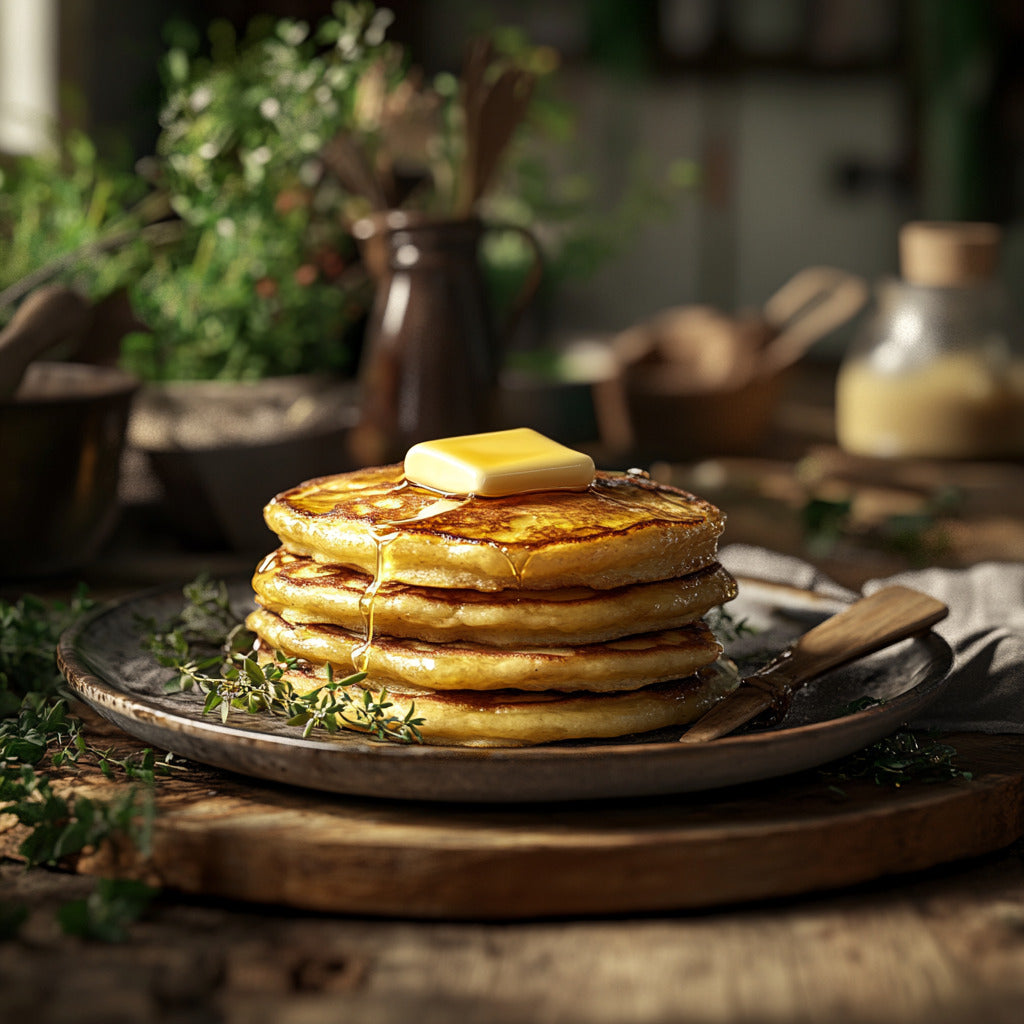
column 301, row 590
column 627, row 663
column 623, row 529
column 509, row 718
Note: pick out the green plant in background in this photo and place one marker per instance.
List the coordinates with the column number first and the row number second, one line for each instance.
column 264, row 280
column 234, row 238
column 271, row 147
column 65, row 214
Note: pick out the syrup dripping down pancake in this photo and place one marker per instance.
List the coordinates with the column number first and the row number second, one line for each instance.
column 301, row 590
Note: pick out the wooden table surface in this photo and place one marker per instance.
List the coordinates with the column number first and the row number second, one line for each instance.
column 943, row 945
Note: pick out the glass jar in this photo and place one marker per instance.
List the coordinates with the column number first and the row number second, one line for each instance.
column 938, row 370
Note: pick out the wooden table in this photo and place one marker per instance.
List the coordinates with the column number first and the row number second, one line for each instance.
column 941, row 945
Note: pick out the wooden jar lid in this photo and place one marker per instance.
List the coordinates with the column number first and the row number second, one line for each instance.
column 948, row 254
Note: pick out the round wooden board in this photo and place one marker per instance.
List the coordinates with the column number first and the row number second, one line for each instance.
column 221, row 835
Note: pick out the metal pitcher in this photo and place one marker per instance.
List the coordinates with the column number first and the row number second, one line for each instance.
column 433, row 351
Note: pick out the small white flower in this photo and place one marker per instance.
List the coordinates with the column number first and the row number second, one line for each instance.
column 347, row 42
column 378, row 27
column 200, row 98
column 310, row 172
column 294, row 33
column 270, row 107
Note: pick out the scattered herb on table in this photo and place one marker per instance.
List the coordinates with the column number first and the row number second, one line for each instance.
column 38, row 729
column 29, row 630
column 918, row 536
column 905, row 756
column 825, row 523
column 209, row 649
column 105, row 913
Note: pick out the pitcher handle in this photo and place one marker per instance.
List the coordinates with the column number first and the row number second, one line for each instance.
column 530, row 284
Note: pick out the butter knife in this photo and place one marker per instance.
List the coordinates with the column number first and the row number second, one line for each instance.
column 870, row 624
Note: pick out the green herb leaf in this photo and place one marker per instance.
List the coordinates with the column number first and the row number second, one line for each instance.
column 106, row 913
column 905, row 756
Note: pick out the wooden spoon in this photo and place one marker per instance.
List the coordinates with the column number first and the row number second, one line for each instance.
column 492, row 110
column 870, row 624
column 808, row 306
column 504, row 108
column 473, row 90
column 351, row 167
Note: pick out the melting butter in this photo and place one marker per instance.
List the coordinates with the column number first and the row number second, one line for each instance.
column 498, row 463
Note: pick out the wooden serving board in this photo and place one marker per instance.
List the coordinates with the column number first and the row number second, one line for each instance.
column 222, row 835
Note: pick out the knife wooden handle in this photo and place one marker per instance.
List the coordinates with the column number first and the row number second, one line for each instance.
column 870, row 624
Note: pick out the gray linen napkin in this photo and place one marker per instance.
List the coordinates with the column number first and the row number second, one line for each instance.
column 985, row 629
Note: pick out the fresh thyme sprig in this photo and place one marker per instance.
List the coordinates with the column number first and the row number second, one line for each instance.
column 726, row 627
column 209, row 649
column 60, row 827
column 45, row 726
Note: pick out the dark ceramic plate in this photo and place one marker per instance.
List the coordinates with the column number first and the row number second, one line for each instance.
column 104, row 664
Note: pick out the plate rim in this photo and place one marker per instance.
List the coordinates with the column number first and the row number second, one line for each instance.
column 104, row 696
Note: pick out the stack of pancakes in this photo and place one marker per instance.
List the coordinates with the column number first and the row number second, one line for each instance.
column 506, row 621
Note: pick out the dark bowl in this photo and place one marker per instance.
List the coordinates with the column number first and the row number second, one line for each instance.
column 220, row 450
column 61, row 440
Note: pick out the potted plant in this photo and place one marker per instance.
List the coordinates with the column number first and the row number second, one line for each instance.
column 254, row 314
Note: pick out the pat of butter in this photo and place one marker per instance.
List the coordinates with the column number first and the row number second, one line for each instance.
column 498, row 463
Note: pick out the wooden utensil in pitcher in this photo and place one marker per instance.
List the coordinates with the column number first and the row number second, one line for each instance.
column 870, row 624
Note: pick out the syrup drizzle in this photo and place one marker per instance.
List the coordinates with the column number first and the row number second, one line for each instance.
column 383, row 537
column 368, row 600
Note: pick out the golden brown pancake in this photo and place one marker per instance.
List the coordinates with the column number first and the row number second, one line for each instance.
column 301, row 590
column 624, row 664
column 508, row 718
column 623, row 529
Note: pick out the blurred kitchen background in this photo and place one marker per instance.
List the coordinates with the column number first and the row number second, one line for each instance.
column 718, row 149
column 817, row 126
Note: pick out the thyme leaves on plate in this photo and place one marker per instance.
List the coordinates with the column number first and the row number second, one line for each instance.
column 209, row 649
column 726, row 627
